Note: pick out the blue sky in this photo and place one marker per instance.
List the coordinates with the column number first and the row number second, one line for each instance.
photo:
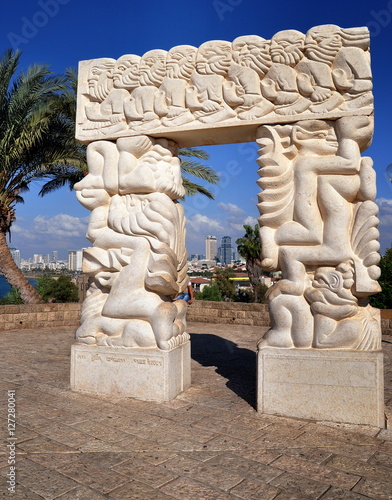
column 63, row 32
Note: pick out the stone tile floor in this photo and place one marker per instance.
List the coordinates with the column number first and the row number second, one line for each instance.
column 209, row 443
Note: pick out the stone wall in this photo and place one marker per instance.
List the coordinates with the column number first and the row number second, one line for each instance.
column 234, row 313
column 386, row 321
column 39, row 316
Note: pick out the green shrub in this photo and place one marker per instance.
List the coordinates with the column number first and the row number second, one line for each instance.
column 211, row 293
column 61, row 289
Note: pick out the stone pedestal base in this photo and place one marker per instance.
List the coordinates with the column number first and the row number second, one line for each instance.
column 147, row 374
column 327, row 385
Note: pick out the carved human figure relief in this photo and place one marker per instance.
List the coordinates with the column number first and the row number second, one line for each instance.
column 206, row 94
column 330, row 195
column 180, row 65
column 138, row 259
column 148, row 100
column 323, row 74
column 280, row 84
column 314, row 71
column 251, row 61
column 105, row 109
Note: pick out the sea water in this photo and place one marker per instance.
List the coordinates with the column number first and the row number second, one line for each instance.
column 5, row 287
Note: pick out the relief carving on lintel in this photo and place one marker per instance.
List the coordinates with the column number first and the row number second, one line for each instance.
column 324, row 74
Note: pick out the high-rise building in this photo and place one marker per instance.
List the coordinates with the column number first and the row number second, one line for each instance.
column 54, row 256
column 15, row 255
column 211, row 247
column 72, row 260
column 79, row 260
column 226, row 251
column 37, row 259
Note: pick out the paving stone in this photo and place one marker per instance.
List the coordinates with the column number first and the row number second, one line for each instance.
column 136, row 490
column 21, row 493
column 54, row 460
column 97, row 445
column 207, row 443
column 315, row 455
column 96, row 477
column 232, row 428
column 152, row 475
column 316, row 472
column 82, row 493
column 153, row 457
column 374, row 489
column 354, row 466
column 380, row 458
column 252, row 488
column 244, row 466
column 299, row 485
column 42, row 444
column 183, row 488
column 206, row 472
column 339, row 494
column 43, row 481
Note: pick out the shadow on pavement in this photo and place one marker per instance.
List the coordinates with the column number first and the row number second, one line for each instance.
column 235, row 364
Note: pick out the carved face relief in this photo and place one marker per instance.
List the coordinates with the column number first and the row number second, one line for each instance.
column 153, row 67
column 315, row 137
column 322, row 43
column 126, row 72
column 214, row 58
column 181, row 62
column 287, row 47
column 100, row 81
column 253, row 52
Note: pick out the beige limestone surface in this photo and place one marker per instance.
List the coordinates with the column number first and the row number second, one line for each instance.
column 336, row 386
column 221, row 91
column 148, row 374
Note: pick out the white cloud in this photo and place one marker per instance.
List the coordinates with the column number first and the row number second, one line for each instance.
column 22, row 232
column 202, row 223
column 385, row 214
column 61, row 225
column 231, row 209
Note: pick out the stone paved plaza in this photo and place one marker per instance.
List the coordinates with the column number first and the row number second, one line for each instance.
column 209, row 443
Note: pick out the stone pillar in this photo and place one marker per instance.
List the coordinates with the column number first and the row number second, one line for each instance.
column 132, row 340
column 322, row 357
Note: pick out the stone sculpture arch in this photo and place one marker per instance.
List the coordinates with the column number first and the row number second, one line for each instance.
column 306, row 99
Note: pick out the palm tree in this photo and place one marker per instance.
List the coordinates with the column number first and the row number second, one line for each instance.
column 190, row 167
column 249, row 247
column 34, row 136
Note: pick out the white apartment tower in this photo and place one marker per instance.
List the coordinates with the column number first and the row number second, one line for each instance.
column 210, row 247
column 72, row 260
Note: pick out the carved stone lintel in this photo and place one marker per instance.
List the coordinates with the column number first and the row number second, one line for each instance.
column 194, row 95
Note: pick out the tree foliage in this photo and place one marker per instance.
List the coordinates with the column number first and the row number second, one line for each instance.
column 249, row 247
column 210, row 292
column 383, row 300
column 61, row 289
column 225, row 285
column 12, row 297
column 36, row 135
